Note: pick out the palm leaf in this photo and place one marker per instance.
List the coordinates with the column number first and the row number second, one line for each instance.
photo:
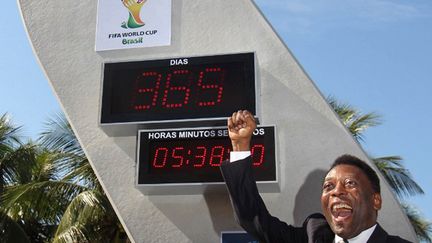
column 58, row 136
column 45, row 201
column 91, row 211
column 28, row 162
column 354, row 120
column 74, row 166
column 9, row 134
column 422, row 227
column 397, row 176
column 358, row 124
column 9, row 139
column 74, row 233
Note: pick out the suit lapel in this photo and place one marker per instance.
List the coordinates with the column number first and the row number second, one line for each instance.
column 379, row 235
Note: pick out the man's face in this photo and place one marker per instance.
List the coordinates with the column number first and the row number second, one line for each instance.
column 348, row 201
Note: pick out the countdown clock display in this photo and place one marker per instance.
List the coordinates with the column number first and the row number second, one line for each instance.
column 191, row 156
column 178, row 89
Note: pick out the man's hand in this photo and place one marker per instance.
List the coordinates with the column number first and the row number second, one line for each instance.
column 241, row 126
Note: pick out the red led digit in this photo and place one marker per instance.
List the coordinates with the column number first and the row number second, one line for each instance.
column 259, row 154
column 216, row 156
column 211, row 82
column 201, row 156
column 182, row 76
column 179, row 157
column 160, row 157
column 147, row 82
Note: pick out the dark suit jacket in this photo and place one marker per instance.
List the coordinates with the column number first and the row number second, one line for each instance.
column 253, row 216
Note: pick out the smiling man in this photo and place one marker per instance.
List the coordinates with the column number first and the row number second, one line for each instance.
column 350, row 198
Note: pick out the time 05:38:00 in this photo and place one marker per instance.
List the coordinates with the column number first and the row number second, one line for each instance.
column 198, row 156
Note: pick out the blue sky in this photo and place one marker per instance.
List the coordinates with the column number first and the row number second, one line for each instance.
column 373, row 54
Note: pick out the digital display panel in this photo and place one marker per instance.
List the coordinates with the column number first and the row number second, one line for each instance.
column 195, row 155
column 185, row 89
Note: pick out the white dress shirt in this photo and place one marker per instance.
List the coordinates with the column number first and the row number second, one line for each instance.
column 239, row 155
column 363, row 237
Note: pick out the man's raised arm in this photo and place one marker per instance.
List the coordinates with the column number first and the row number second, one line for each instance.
column 248, row 206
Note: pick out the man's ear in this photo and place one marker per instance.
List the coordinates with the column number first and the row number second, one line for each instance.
column 377, row 201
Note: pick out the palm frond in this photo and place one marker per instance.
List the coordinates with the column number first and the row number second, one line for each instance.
column 9, row 139
column 73, row 164
column 354, row 120
column 359, row 123
column 58, row 135
column 92, row 211
column 9, row 133
column 38, row 200
column 83, row 174
column 18, row 163
column 422, row 227
column 74, row 233
column 397, row 176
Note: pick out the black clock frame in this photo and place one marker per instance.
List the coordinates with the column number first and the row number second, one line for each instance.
column 120, row 91
column 149, row 178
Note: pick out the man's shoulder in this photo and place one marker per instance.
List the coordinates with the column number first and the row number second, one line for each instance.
column 396, row 239
column 380, row 235
column 318, row 229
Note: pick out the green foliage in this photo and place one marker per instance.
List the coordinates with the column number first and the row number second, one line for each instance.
column 9, row 139
column 422, row 227
column 11, row 231
column 58, row 136
column 354, row 120
column 49, row 190
column 397, row 176
column 87, row 219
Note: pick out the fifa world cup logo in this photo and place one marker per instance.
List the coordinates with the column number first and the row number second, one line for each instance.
column 134, row 8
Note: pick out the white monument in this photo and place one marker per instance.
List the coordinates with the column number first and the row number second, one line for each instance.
column 309, row 134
